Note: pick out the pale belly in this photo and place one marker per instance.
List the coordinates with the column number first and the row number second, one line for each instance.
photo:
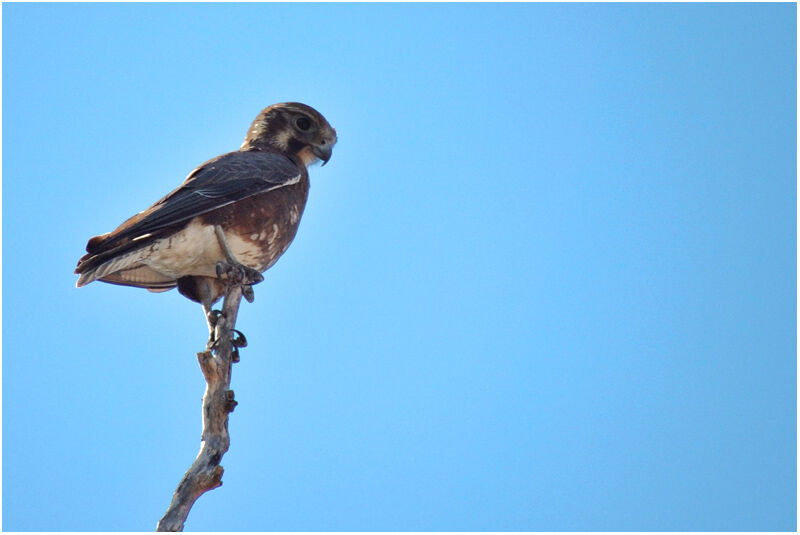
column 195, row 250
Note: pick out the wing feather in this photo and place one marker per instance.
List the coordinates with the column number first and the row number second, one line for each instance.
column 223, row 180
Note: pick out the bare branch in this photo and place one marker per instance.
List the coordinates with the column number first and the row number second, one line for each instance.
column 205, row 473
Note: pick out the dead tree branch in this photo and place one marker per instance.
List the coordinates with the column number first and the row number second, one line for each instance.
column 205, row 473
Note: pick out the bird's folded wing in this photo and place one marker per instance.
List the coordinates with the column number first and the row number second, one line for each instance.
column 218, row 182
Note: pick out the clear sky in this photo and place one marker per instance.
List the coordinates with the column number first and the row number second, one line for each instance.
column 546, row 282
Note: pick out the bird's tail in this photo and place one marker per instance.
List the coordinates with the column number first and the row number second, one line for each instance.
column 127, row 270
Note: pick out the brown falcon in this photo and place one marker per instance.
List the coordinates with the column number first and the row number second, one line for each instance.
column 238, row 211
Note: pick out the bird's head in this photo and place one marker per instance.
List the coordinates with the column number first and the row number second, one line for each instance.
column 293, row 129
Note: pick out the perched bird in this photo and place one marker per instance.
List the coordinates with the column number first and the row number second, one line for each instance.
column 230, row 220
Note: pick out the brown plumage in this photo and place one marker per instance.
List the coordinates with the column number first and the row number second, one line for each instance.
column 255, row 195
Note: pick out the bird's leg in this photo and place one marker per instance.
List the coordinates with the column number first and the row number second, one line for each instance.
column 212, row 317
column 237, row 340
column 234, row 271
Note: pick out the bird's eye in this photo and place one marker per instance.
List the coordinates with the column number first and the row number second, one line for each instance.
column 303, row 124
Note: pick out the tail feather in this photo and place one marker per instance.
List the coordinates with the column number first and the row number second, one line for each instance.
column 126, row 270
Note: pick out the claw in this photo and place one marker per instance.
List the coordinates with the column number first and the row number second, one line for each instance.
column 213, row 317
column 241, row 341
column 254, row 275
column 247, row 293
column 238, row 273
column 237, row 340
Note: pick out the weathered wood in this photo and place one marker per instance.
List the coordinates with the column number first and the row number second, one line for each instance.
column 205, row 473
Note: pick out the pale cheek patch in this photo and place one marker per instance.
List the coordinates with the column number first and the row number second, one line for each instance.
column 281, row 139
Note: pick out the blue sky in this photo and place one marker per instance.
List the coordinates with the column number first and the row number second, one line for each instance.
column 546, row 282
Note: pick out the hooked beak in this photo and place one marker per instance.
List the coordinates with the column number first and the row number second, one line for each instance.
column 323, row 153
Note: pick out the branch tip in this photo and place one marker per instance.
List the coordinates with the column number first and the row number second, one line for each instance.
column 205, row 473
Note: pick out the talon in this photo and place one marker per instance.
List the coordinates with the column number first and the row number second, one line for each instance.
column 241, row 341
column 253, row 275
column 247, row 293
column 235, row 354
column 213, row 317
